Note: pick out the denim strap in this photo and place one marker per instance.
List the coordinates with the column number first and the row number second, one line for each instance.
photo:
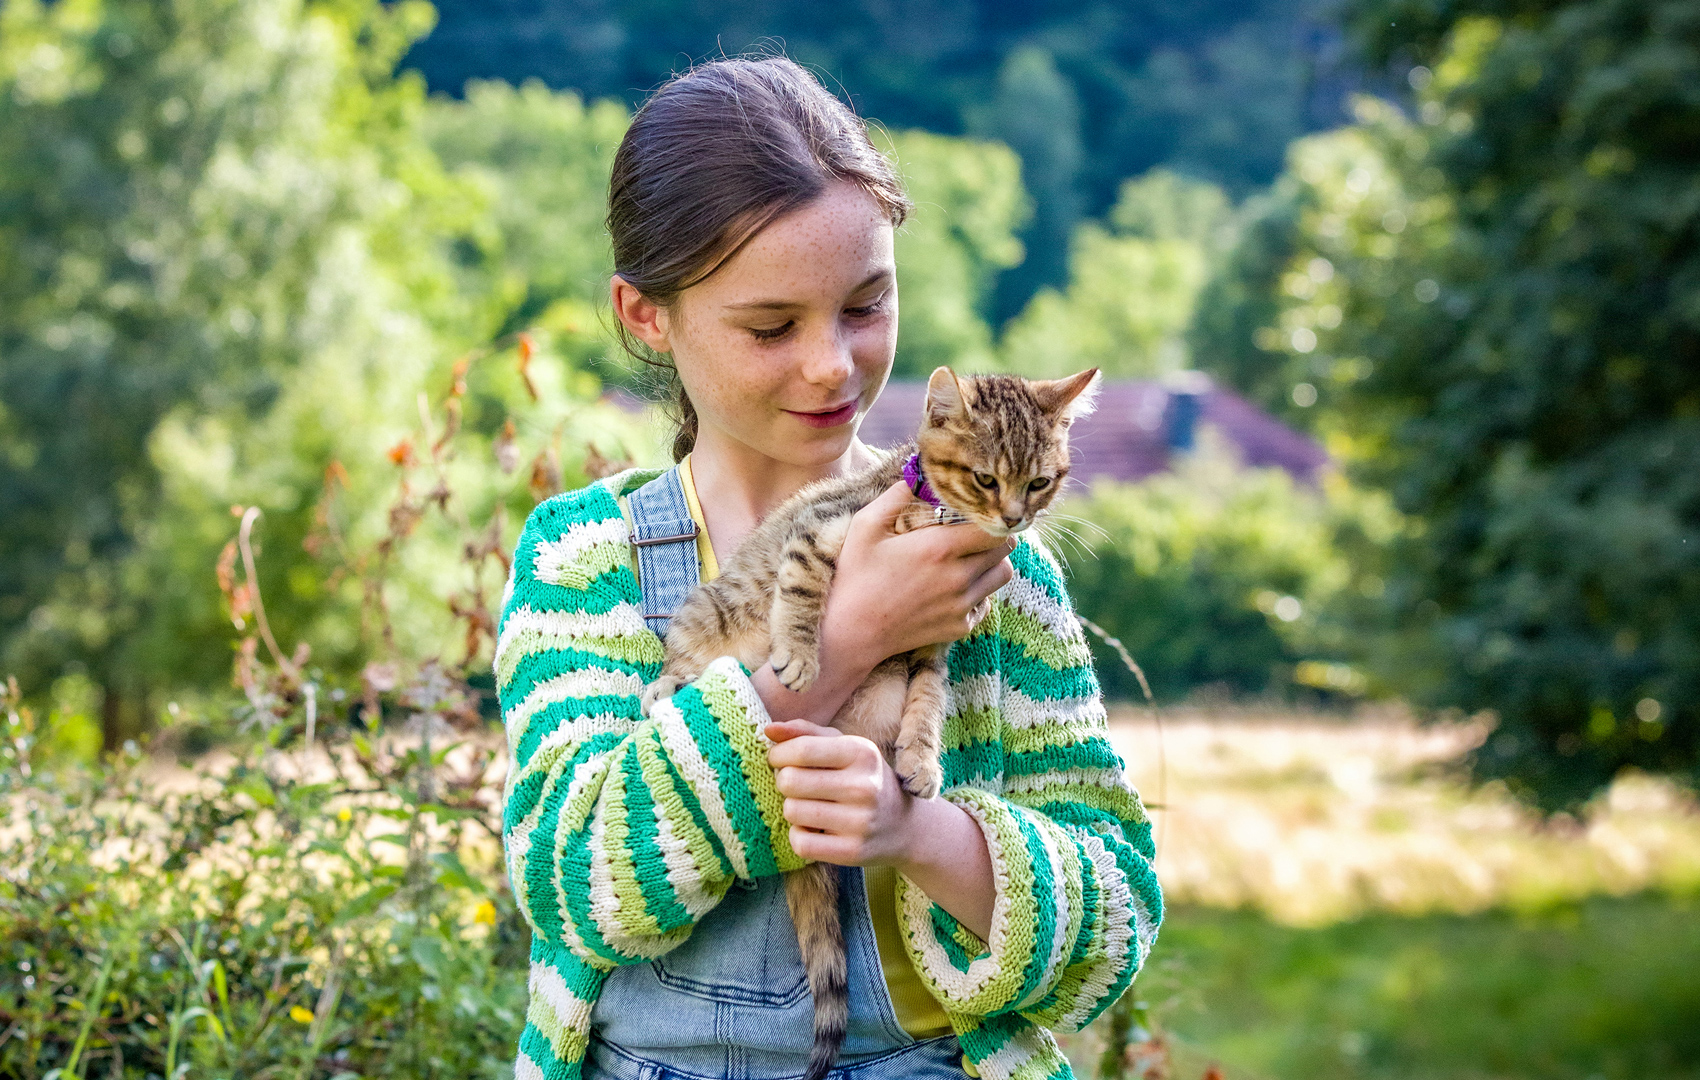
column 666, row 540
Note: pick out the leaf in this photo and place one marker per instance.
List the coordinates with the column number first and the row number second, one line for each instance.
column 201, row 1012
column 447, row 813
column 428, row 953
column 366, row 903
column 451, row 873
column 256, row 788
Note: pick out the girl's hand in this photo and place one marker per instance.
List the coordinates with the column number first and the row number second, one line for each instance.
column 844, row 803
column 891, row 593
column 895, row 592
column 846, row 806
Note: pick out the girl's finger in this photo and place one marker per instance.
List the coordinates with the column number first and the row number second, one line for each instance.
column 981, row 561
column 995, row 578
column 831, row 785
column 829, row 817
column 886, row 509
column 825, row 847
column 834, row 751
column 784, row 730
column 969, row 540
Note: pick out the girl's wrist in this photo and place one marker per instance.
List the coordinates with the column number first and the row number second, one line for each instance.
column 945, row 855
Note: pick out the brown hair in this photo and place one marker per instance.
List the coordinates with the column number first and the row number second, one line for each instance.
column 712, row 158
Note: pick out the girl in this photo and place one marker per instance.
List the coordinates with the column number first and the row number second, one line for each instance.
column 752, row 224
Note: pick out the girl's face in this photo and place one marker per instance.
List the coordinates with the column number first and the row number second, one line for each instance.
column 785, row 347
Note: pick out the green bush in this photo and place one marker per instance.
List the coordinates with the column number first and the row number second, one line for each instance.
column 1213, row 575
column 258, row 925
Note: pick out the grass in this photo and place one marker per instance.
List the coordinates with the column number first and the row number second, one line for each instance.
column 1344, row 905
column 1605, row 988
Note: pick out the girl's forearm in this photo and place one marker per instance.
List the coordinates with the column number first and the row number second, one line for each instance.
column 948, row 859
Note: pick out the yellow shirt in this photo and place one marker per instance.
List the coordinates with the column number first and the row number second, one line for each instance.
column 918, row 1012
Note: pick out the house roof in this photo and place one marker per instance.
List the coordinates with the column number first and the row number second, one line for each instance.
column 1135, row 429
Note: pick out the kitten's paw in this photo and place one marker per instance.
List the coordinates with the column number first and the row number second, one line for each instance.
column 664, row 687
column 922, row 776
column 796, row 671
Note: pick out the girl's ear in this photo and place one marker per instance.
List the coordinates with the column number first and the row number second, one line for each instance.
column 644, row 318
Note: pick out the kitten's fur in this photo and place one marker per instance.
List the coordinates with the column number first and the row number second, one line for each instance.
column 766, row 605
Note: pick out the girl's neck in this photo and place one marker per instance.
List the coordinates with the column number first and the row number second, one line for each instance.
column 738, row 486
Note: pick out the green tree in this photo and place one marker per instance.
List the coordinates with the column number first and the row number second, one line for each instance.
column 1504, row 332
column 969, row 204
column 1132, row 285
column 1088, row 92
column 542, row 160
column 237, row 270
column 182, row 189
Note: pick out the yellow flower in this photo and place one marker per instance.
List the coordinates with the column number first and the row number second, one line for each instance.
column 484, row 913
column 345, row 814
column 300, row 1015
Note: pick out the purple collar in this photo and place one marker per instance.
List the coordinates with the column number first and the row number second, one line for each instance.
column 918, row 483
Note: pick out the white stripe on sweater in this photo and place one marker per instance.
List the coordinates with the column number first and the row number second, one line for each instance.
column 621, row 620
column 555, row 557
column 703, row 780
column 1113, row 931
column 1063, row 862
column 582, row 683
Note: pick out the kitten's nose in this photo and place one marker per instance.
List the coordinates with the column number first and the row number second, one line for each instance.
column 1012, row 522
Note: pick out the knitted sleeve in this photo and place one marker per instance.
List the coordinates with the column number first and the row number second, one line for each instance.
column 1027, row 755
column 620, row 831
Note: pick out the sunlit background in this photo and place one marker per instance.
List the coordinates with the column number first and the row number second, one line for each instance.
column 1393, row 496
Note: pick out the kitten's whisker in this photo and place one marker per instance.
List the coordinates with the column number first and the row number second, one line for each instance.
column 1102, row 534
column 1060, row 539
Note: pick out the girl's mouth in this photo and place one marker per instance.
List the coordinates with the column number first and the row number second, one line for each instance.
column 833, row 418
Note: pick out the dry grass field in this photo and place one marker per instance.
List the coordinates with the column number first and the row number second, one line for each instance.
column 1343, row 904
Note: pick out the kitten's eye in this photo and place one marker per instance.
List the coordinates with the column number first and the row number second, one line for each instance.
column 773, row 333
column 1039, row 484
column 986, row 480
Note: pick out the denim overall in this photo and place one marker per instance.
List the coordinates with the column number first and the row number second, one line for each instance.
column 732, row 1002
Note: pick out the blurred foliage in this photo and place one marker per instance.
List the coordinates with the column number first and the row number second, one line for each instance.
column 542, row 161
column 192, row 199
column 1216, row 575
column 1132, row 286
column 247, row 920
column 238, row 264
column 1087, row 92
column 1489, row 309
column 969, row 202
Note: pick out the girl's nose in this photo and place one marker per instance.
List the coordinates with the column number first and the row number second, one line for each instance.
column 829, row 362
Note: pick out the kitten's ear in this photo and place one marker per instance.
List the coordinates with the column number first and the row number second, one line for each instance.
column 945, row 401
column 1071, row 398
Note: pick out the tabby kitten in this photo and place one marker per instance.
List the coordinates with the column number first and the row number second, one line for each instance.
column 993, row 451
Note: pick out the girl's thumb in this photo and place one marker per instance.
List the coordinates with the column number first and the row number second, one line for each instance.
column 890, row 504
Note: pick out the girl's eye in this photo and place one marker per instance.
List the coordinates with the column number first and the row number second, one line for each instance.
column 870, row 309
column 773, row 334
column 1039, row 484
column 986, row 480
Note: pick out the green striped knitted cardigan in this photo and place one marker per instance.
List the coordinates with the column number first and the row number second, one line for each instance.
column 621, row 832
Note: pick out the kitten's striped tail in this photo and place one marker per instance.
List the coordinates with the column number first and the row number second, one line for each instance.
column 812, row 893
